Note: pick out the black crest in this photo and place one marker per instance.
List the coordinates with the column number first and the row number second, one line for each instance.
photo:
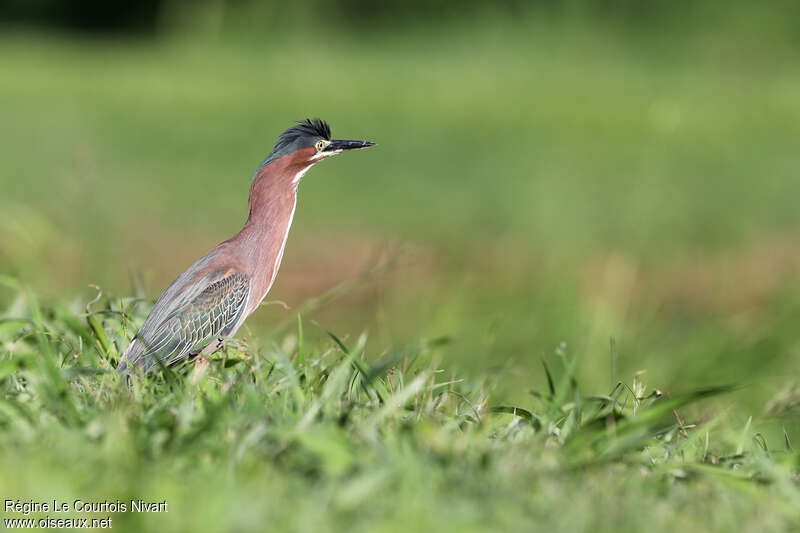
column 306, row 130
column 303, row 135
column 316, row 127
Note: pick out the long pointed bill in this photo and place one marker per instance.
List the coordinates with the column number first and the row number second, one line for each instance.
column 337, row 146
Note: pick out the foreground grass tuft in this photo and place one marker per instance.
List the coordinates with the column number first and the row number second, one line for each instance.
column 285, row 434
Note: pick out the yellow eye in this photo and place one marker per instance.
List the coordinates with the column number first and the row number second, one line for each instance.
column 320, row 145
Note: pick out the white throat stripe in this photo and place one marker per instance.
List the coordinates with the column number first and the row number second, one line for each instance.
column 300, row 174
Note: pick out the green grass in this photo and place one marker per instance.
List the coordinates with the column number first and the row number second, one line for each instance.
column 282, row 434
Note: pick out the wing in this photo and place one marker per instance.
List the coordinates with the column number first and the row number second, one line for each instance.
column 213, row 311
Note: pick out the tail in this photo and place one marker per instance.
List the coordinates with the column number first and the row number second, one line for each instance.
column 138, row 359
column 126, row 362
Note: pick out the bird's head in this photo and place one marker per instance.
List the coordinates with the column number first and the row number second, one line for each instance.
column 307, row 143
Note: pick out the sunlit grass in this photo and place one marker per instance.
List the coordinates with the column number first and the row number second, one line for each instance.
column 327, row 436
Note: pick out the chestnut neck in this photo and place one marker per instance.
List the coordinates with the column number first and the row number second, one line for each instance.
column 273, row 188
column 273, row 195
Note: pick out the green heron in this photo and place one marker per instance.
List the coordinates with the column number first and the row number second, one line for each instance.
column 210, row 301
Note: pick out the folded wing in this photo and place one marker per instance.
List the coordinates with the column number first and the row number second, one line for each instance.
column 208, row 308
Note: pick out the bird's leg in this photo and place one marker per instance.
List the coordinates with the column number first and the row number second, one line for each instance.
column 201, row 357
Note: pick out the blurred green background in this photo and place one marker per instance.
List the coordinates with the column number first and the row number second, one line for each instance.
column 547, row 172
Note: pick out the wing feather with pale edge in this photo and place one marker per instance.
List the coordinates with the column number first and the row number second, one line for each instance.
column 212, row 312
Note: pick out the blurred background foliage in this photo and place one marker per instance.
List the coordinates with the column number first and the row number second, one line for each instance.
column 238, row 16
column 547, row 171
